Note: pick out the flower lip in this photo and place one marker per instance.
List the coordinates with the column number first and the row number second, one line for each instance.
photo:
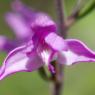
column 18, row 61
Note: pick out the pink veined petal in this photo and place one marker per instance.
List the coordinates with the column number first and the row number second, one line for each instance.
column 78, row 52
column 45, row 52
column 56, row 42
column 19, row 26
column 47, row 55
column 19, row 60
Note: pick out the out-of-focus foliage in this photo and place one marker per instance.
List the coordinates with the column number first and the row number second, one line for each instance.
column 79, row 79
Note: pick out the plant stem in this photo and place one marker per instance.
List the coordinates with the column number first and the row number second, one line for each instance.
column 60, row 18
column 57, row 78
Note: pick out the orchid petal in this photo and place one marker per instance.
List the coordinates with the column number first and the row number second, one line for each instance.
column 19, row 26
column 56, row 42
column 22, row 9
column 6, row 44
column 46, row 56
column 78, row 52
column 42, row 22
column 19, row 60
column 3, row 41
column 38, row 20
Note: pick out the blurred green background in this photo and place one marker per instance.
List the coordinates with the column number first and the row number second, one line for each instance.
column 79, row 79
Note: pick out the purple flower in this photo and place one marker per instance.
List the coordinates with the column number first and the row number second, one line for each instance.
column 42, row 45
column 22, row 20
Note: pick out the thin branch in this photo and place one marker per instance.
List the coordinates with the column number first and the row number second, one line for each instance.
column 60, row 17
column 75, row 16
column 57, row 79
column 79, row 5
column 90, row 9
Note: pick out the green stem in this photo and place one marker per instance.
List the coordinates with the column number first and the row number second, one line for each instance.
column 76, row 16
column 87, row 11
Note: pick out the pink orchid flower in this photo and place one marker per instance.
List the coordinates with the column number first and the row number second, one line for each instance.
column 42, row 44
